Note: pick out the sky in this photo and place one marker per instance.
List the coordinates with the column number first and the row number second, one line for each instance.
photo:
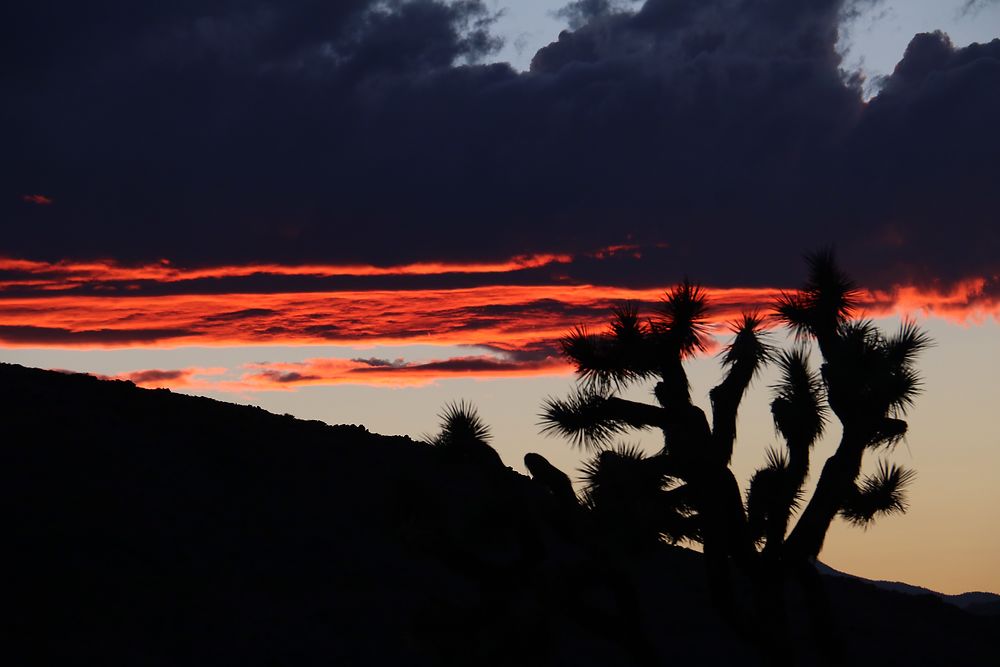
column 360, row 211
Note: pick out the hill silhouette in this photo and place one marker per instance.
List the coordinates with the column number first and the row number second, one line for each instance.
column 976, row 602
column 148, row 527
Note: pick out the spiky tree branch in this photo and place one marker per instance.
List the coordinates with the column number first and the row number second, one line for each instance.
column 591, row 419
column 880, row 494
column 743, row 358
column 870, row 382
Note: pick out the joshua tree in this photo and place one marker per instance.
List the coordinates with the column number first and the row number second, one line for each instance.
column 687, row 491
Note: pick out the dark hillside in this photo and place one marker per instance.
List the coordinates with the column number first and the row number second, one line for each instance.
column 152, row 528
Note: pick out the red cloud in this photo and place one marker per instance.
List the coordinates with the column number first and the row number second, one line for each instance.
column 41, row 200
column 632, row 249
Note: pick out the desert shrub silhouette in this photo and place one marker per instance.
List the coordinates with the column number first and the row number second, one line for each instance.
column 464, row 437
column 688, row 491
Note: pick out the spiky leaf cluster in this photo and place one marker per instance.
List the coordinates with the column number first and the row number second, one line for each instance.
column 748, row 347
column 798, row 407
column 880, row 494
column 614, row 359
column 681, row 325
column 775, row 492
column 828, row 300
column 633, row 349
column 461, row 425
column 872, row 375
column 464, row 437
column 582, row 417
column 630, row 495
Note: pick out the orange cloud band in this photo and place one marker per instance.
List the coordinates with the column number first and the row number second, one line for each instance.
column 507, row 316
column 510, row 317
column 68, row 275
column 521, row 324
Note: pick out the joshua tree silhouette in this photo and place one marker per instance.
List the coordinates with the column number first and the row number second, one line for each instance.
column 687, row 491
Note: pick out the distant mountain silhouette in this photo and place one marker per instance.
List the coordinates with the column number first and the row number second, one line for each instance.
column 976, row 602
column 152, row 528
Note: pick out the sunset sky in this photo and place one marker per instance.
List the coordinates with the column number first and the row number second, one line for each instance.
column 358, row 211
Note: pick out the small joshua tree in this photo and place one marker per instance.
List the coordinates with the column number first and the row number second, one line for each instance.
column 687, row 491
column 464, row 437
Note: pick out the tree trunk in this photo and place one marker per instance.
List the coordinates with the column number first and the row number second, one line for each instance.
column 836, row 480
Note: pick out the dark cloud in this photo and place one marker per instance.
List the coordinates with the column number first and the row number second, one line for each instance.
column 154, row 376
column 243, row 314
column 972, row 7
column 924, row 162
column 212, row 132
column 285, row 377
column 375, row 362
column 31, row 335
column 459, row 365
column 532, row 353
column 538, row 355
column 578, row 13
